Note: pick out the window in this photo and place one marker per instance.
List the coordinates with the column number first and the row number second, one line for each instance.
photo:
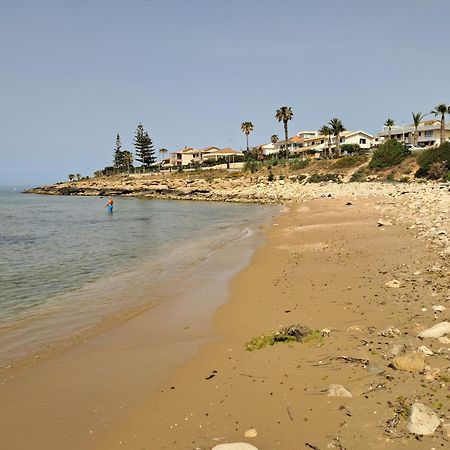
column 429, row 133
column 362, row 141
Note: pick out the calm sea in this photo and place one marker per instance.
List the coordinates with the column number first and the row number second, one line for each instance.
column 65, row 263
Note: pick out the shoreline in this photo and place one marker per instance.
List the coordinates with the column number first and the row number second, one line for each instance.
column 225, row 392
column 152, row 340
column 156, row 407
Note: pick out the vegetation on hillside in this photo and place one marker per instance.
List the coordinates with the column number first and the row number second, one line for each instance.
column 389, row 154
column 434, row 163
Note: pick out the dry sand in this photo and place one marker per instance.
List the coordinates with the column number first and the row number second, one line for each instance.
column 325, row 265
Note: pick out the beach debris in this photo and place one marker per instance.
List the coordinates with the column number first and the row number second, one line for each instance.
column 425, row 350
column 393, row 284
column 390, row 332
column 391, row 424
column 438, row 308
column 337, row 390
column 348, row 204
column 384, row 223
column 212, row 375
column 293, row 333
column 436, row 331
column 251, row 433
column 396, row 349
column 336, row 443
column 410, row 362
column 422, row 420
column 355, row 328
column 308, row 445
column 352, row 360
column 288, row 410
column 325, row 331
column 432, row 374
column 235, row 446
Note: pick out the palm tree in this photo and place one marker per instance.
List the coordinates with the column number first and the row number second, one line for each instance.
column 274, row 138
column 162, row 152
column 337, row 128
column 417, row 118
column 441, row 110
column 285, row 114
column 246, row 128
column 327, row 132
column 389, row 123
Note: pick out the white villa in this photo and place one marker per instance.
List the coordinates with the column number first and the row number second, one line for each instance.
column 192, row 155
column 429, row 133
column 314, row 144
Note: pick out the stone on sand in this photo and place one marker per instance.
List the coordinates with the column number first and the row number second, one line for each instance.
column 425, row 350
column 250, row 433
column 410, row 362
column 337, row 390
column 235, row 446
column 436, row 331
column 422, row 420
column 393, row 284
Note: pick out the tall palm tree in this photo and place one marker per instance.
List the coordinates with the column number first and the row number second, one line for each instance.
column 389, row 123
column 327, row 132
column 274, row 138
column 417, row 118
column 337, row 128
column 285, row 114
column 162, row 152
column 246, row 128
column 442, row 110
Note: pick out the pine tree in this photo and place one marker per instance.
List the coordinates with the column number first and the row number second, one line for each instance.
column 118, row 154
column 145, row 152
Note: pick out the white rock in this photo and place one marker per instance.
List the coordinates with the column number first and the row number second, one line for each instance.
column 425, row 350
column 444, row 340
column 436, row 331
column 250, row 433
column 393, row 284
column 337, row 390
column 325, row 332
column 235, row 446
column 438, row 308
column 422, row 420
column 390, row 332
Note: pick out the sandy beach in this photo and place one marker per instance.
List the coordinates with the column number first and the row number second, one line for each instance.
column 325, row 265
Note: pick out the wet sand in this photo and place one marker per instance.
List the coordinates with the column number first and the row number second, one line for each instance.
column 325, row 265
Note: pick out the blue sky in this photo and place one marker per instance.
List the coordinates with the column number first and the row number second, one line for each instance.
column 75, row 73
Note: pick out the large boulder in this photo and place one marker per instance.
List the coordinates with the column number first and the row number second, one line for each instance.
column 410, row 362
column 422, row 420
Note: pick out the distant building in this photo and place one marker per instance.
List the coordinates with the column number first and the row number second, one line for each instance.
column 192, row 155
column 314, row 144
column 429, row 133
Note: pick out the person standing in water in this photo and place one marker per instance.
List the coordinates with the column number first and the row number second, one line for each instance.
column 109, row 205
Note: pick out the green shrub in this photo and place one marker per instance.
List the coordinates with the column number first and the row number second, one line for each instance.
column 389, row 154
column 349, row 161
column 252, row 166
column 432, row 156
column 320, row 177
column 297, row 163
column 270, row 177
column 351, row 149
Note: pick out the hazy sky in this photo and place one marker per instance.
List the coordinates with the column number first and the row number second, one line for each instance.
column 75, row 73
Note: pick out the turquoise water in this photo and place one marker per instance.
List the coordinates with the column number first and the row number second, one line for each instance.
column 69, row 253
